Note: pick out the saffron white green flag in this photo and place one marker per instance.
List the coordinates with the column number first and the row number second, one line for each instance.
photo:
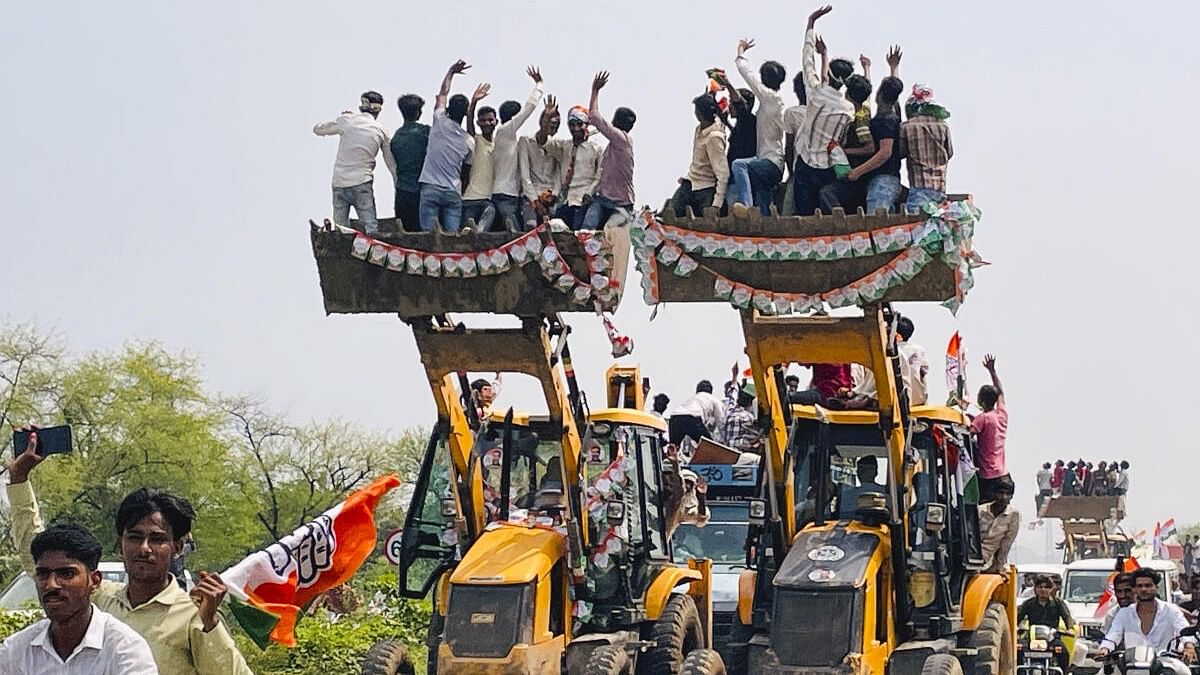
column 269, row 588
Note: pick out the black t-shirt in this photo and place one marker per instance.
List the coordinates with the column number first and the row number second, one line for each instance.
column 743, row 140
column 1045, row 615
column 887, row 126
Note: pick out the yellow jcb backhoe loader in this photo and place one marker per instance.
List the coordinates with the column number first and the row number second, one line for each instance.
column 543, row 538
column 864, row 551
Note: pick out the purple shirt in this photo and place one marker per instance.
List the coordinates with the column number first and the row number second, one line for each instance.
column 616, row 168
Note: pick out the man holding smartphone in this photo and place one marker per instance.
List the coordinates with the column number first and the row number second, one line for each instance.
column 185, row 633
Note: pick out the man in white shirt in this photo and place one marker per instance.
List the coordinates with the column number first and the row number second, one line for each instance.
column 1123, row 594
column 538, row 161
column 449, row 146
column 998, row 527
column 866, row 391
column 75, row 638
column 579, row 169
column 506, row 187
column 828, row 114
column 918, row 362
column 361, row 137
column 1044, row 476
column 1149, row 621
column 755, row 179
column 701, row 416
column 477, row 193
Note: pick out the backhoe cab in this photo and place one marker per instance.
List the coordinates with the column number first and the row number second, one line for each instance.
column 864, row 547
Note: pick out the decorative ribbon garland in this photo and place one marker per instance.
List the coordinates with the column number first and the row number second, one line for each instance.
column 601, row 290
column 947, row 230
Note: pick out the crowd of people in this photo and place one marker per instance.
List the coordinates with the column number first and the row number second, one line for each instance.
column 825, row 152
column 470, row 163
column 1082, row 479
column 1138, row 616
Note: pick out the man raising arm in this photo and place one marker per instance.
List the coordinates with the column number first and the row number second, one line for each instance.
column 615, row 189
column 186, row 639
column 506, row 189
column 448, row 148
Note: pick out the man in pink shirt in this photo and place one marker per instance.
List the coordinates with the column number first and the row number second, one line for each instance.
column 991, row 429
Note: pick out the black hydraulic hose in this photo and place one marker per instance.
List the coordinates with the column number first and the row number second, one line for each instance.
column 506, row 465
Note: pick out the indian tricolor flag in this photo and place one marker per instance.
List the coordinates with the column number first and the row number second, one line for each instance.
column 268, row 589
column 1168, row 529
column 956, row 371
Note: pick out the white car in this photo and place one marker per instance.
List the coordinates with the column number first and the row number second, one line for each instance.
column 21, row 593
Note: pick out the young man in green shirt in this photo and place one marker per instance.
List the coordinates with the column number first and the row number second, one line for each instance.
column 186, row 637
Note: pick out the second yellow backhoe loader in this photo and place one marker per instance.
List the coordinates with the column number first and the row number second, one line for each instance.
column 864, row 552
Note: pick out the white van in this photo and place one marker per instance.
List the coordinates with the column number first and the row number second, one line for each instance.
column 1085, row 580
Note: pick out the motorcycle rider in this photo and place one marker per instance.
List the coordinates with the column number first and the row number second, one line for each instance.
column 1123, row 593
column 1046, row 609
column 1149, row 621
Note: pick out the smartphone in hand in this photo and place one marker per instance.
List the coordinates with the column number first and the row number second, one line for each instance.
column 51, row 441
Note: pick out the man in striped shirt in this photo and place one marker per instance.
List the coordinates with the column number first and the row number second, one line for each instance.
column 925, row 142
column 827, row 114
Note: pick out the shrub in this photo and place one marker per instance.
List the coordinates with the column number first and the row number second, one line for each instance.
column 330, row 645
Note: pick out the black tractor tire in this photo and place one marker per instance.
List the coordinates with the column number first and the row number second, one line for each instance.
column 676, row 633
column 737, row 650
column 993, row 643
column 387, row 657
column 942, row 664
column 703, row 662
column 607, row 660
column 433, row 638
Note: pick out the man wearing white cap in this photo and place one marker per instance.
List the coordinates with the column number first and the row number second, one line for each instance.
column 361, row 138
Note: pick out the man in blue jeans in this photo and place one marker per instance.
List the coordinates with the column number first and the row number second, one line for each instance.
column 925, row 142
column 449, row 146
column 615, row 190
column 754, row 179
column 360, row 138
column 828, row 114
column 875, row 183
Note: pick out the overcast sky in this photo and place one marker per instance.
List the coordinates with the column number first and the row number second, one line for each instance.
column 159, row 171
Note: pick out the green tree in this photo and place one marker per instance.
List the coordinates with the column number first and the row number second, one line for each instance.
column 141, row 417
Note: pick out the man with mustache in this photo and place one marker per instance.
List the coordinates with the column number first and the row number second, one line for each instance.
column 186, row 637
column 76, row 636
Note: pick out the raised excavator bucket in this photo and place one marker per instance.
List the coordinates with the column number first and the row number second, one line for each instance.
column 785, row 265
column 536, row 273
column 1085, row 508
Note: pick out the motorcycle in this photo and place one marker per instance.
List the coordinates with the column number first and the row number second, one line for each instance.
column 1041, row 650
column 1144, row 660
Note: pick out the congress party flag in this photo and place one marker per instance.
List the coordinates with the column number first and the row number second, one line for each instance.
column 1108, row 599
column 269, row 588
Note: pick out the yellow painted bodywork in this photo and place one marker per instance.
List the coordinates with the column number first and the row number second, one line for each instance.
column 624, row 387
column 936, row 413
column 539, row 659
column 875, row 652
column 663, row 585
column 746, row 583
column 510, row 554
column 628, row 416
